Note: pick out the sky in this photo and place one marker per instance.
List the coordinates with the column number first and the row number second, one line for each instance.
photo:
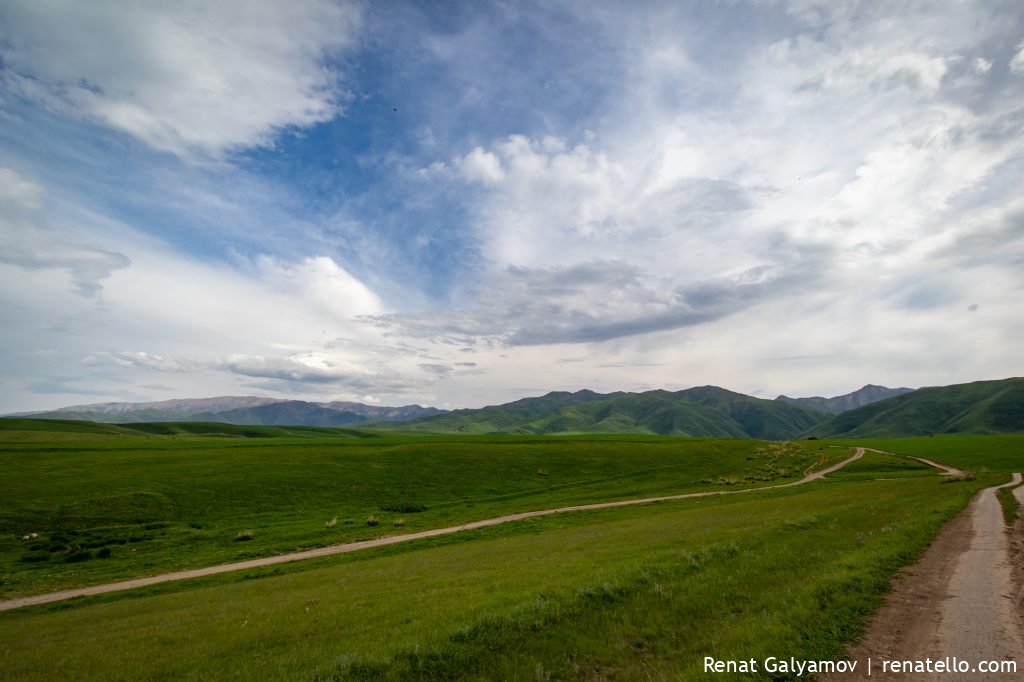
column 465, row 203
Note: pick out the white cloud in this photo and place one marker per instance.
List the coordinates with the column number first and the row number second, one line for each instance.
column 189, row 78
column 28, row 241
column 320, row 280
column 1017, row 63
column 481, row 166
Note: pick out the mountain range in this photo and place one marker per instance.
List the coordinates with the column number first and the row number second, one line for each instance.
column 704, row 411
column 242, row 410
column 841, row 403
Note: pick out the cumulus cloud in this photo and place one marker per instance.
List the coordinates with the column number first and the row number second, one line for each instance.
column 194, row 78
column 481, row 166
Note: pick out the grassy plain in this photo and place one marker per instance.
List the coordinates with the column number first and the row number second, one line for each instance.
column 974, row 453
column 111, row 505
column 635, row 593
column 629, row 593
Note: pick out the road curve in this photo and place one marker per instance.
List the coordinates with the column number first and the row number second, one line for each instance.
column 957, row 601
column 385, row 541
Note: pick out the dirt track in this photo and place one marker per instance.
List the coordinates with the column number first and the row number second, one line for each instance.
column 382, row 542
column 957, row 601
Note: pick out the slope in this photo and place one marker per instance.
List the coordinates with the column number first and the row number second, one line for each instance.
column 979, row 407
column 759, row 418
column 706, row 411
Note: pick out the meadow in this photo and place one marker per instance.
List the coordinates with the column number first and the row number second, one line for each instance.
column 629, row 593
column 974, row 453
column 109, row 506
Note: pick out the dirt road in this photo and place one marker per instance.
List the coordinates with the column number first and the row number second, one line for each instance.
column 385, row 541
column 957, row 601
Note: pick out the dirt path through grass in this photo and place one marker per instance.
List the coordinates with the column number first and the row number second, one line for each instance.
column 957, row 601
column 385, row 541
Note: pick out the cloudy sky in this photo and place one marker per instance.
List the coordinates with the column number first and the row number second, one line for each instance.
column 465, row 203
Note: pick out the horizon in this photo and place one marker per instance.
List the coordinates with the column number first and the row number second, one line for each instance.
column 393, row 205
column 476, row 407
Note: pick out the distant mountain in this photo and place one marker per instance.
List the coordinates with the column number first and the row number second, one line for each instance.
column 244, row 410
column 159, row 411
column 504, row 418
column 379, row 413
column 287, row 413
column 706, row 411
column 841, row 403
column 978, row 407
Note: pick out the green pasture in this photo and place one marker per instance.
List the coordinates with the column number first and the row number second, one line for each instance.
column 108, row 506
column 974, row 453
column 634, row 593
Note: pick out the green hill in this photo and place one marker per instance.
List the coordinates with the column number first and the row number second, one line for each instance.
column 706, row 411
column 980, row 407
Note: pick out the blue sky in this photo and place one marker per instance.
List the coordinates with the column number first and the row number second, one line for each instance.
column 464, row 203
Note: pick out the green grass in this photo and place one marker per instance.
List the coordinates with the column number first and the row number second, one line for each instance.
column 1009, row 505
column 874, row 466
column 169, row 502
column 975, row 453
column 631, row 593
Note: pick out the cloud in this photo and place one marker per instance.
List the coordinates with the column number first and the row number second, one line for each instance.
column 191, row 79
column 28, row 242
column 481, row 166
column 588, row 195
column 307, row 371
column 593, row 302
column 139, row 360
column 320, row 280
column 1017, row 62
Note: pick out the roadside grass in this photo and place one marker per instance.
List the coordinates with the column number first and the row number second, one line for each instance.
column 108, row 505
column 629, row 593
column 874, row 465
column 1008, row 503
column 975, row 453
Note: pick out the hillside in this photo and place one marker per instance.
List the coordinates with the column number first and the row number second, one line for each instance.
column 980, row 407
column 841, row 403
column 706, row 411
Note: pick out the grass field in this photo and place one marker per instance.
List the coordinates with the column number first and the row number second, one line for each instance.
column 107, row 506
column 636, row 591
column 993, row 453
column 629, row 593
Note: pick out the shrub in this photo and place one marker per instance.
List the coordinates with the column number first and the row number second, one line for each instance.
column 372, row 520
column 77, row 556
column 103, row 553
column 244, row 535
